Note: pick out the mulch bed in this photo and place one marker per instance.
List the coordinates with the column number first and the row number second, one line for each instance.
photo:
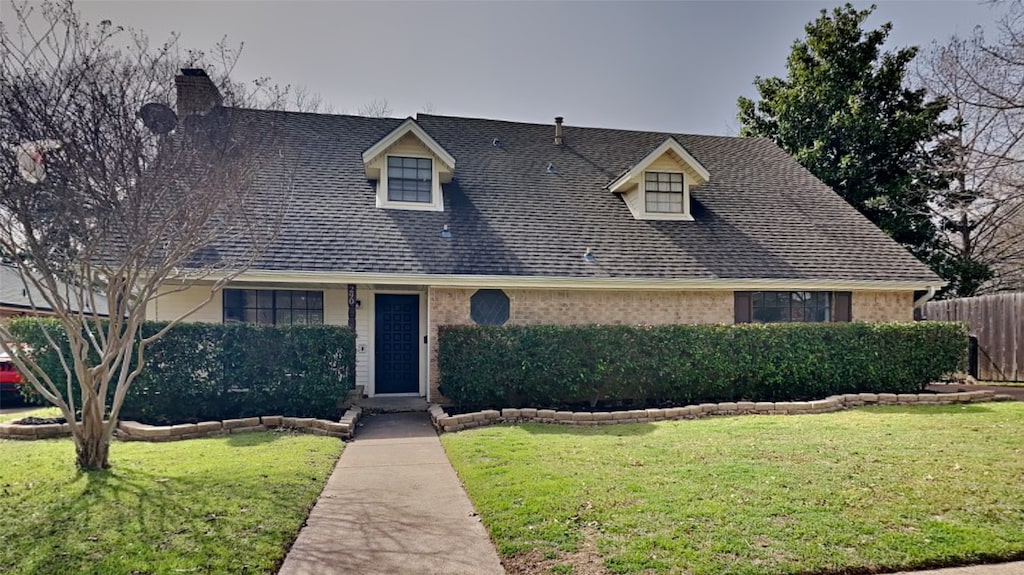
column 39, row 420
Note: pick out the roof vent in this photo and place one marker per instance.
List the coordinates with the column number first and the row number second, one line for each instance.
column 558, row 130
column 496, row 143
column 589, row 257
column 552, row 169
column 446, row 233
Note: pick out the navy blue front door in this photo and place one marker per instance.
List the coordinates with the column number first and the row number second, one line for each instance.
column 396, row 344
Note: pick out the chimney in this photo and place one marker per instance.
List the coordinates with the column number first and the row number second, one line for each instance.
column 558, row 130
column 196, row 93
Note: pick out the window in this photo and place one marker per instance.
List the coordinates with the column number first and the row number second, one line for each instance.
column 664, row 192
column 489, row 307
column 274, row 307
column 791, row 306
column 782, row 306
column 409, row 179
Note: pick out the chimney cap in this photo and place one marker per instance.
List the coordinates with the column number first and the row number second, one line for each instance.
column 559, row 119
column 194, row 72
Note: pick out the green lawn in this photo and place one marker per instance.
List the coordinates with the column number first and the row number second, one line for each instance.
column 220, row 505
column 851, row 492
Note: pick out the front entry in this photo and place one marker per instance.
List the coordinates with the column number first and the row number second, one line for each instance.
column 396, row 344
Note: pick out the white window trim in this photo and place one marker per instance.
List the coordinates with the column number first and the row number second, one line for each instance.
column 437, row 200
column 643, row 214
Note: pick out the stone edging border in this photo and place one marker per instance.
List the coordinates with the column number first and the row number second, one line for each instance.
column 134, row 431
column 444, row 422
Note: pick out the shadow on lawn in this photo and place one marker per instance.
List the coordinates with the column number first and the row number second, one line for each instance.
column 254, row 438
column 122, row 515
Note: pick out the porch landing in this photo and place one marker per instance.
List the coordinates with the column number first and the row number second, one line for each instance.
column 384, row 404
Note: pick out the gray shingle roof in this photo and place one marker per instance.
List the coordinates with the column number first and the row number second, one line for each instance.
column 14, row 294
column 761, row 216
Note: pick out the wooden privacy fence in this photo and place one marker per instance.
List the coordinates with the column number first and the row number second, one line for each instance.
column 998, row 322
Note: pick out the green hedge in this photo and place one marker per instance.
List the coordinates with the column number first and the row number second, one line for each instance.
column 202, row 371
column 678, row 364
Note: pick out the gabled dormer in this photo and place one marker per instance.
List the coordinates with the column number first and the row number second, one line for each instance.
column 658, row 186
column 409, row 167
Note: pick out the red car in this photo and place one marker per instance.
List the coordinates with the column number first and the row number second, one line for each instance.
column 10, row 379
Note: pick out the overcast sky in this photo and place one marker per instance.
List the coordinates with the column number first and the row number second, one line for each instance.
column 669, row 66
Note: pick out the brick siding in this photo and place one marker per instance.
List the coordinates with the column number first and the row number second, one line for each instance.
column 882, row 306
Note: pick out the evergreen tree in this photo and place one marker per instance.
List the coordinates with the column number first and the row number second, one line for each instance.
column 845, row 113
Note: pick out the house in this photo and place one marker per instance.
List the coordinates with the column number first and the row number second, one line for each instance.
column 398, row 226
column 19, row 298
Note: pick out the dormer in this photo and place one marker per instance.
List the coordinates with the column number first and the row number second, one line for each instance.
column 409, row 167
column 658, row 186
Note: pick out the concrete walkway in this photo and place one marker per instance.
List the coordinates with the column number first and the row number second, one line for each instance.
column 393, row 505
column 996, row 569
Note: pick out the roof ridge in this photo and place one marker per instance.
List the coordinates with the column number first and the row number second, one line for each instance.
column 321, row 114
column 578, row 127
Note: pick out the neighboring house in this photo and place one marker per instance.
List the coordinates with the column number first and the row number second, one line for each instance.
column 19, row 298
column 399, row 226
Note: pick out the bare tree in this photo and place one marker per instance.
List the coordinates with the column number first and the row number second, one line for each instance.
column 103, row 196
column 982, row 157
column 376, row 108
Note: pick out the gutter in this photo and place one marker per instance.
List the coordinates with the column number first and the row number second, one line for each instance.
column 919, row 302
column 551, row 282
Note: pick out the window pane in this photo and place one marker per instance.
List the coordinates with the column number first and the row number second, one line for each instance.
column 282, row 298
column 283, row 317
column 232, row 298
column 265, row 316
column 299, row 300
column 315, row 299
column 266, row 299
column 250, row 315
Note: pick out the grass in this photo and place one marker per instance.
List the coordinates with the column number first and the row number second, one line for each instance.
column 857, row 491
column 40, row 412
column 219, row 505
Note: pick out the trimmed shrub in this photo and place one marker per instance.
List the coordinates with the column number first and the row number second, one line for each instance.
column 550, row 365
column 201, row 371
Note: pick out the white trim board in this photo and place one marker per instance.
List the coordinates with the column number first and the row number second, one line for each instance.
column 564, row 283
column 409, row 125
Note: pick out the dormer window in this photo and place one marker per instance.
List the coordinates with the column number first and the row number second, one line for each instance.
column 663, row 192
column 409, row 179
column 658, row 186
column 409, row 167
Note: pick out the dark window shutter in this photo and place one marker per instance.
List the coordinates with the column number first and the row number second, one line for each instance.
column 742, row 307
column 842, row 304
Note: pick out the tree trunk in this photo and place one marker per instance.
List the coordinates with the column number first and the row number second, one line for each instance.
column 92, row 452
column 92, row 445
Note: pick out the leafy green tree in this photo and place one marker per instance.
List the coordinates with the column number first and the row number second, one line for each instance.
column 845, row 113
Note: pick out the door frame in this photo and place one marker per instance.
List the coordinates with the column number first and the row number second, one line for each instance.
column 371, row 351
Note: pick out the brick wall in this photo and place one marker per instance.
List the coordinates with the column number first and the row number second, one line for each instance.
column 882, row 306
column 530, row 307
